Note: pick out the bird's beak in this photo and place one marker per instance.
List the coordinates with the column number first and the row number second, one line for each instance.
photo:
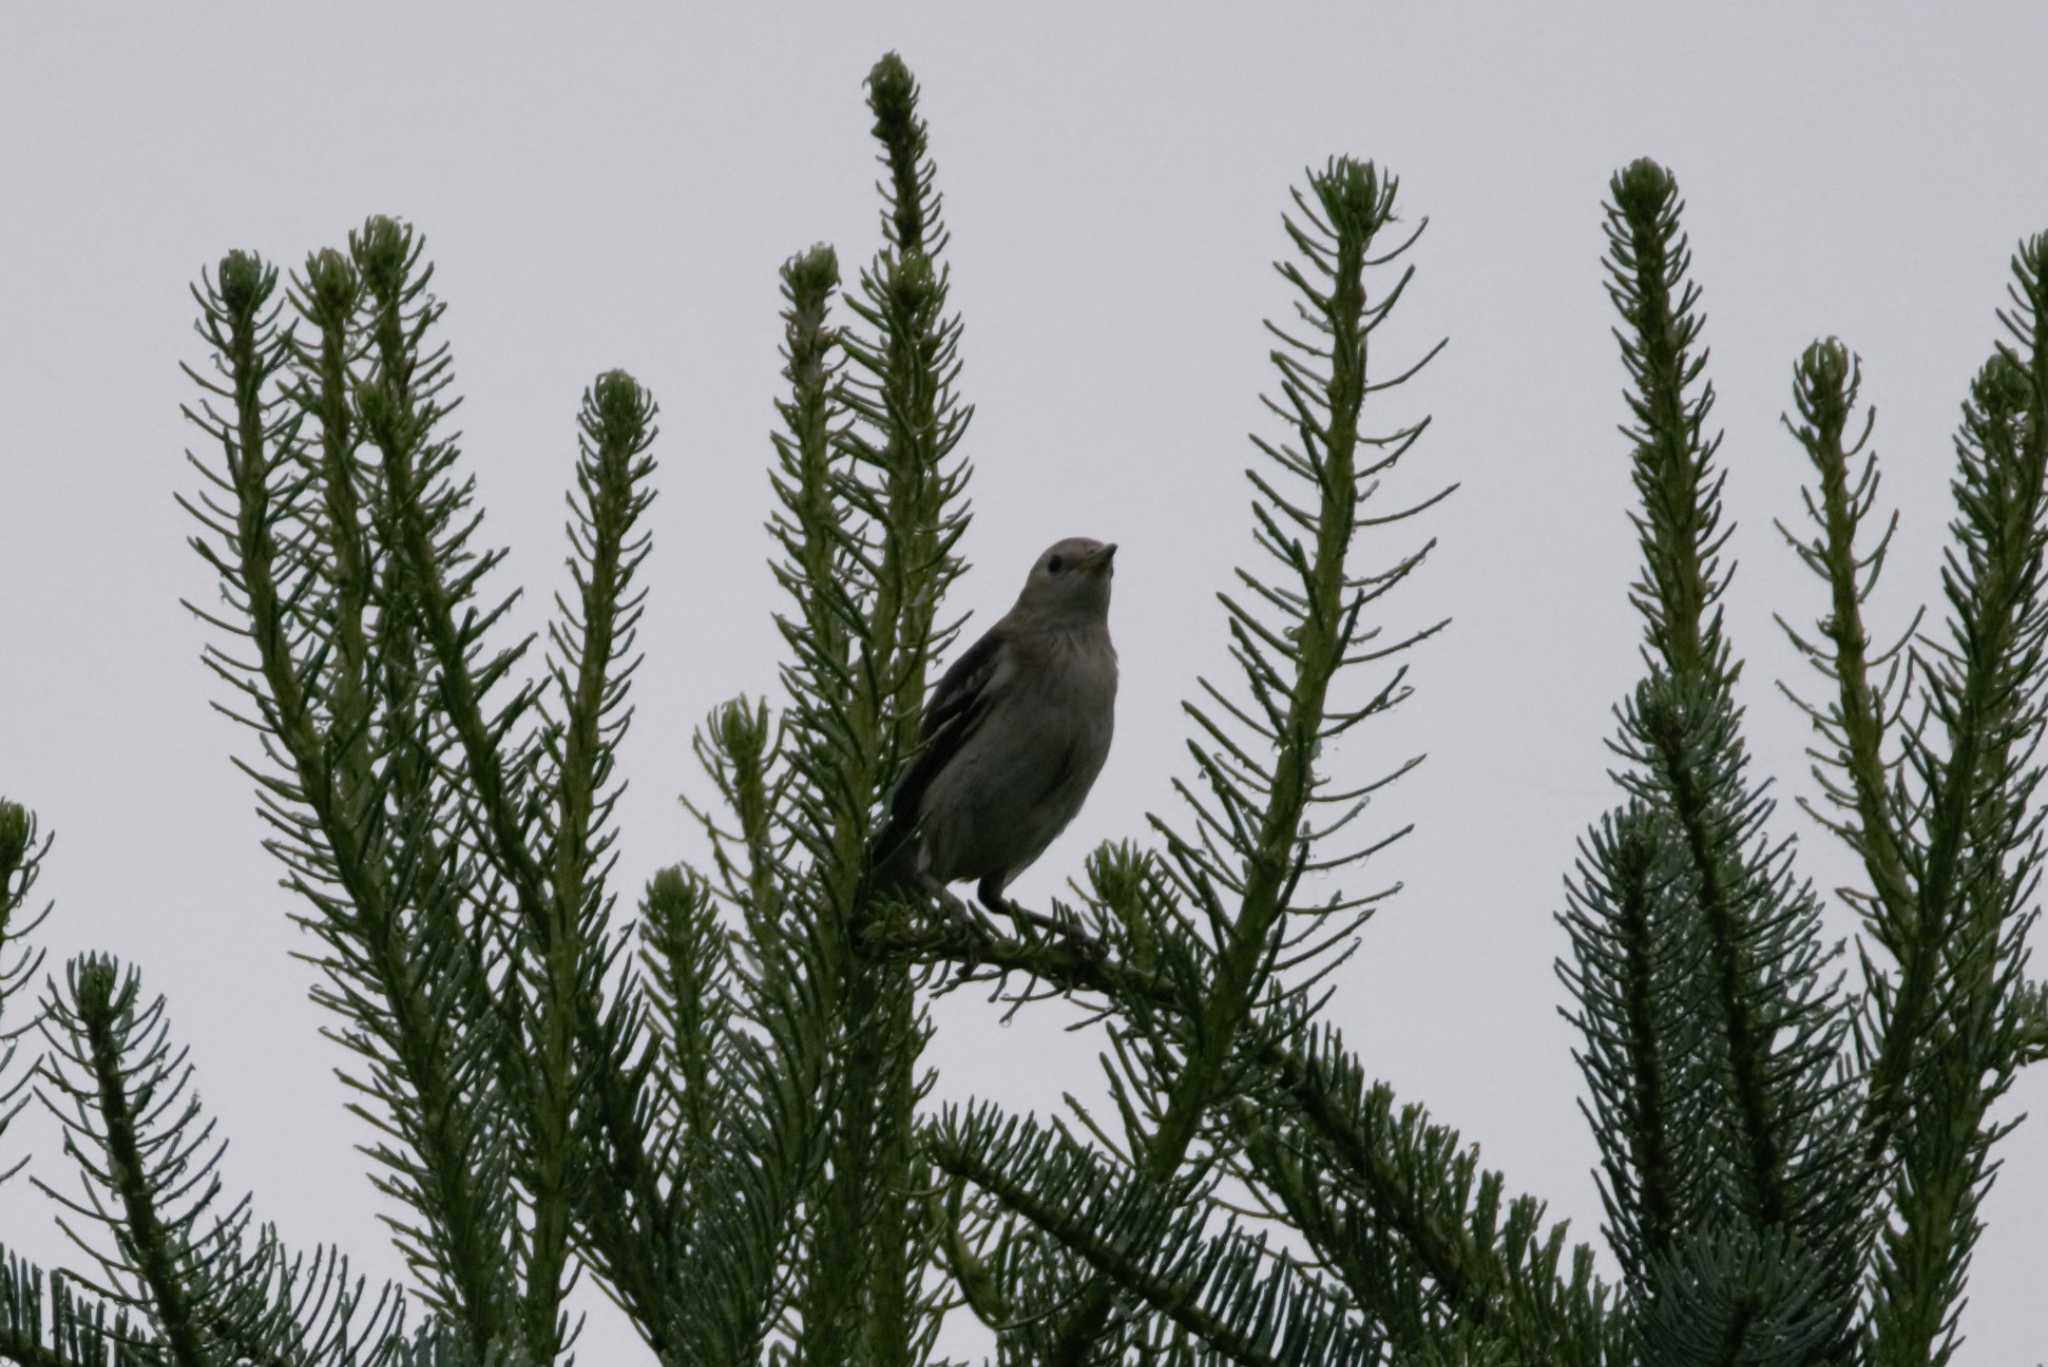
column 1105, row 559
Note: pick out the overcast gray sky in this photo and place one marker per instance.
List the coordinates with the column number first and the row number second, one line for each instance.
column 614, row 185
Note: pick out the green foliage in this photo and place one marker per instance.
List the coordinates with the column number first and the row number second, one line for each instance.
column 20, row 861
column 1713, row 1027
column 715, row 1111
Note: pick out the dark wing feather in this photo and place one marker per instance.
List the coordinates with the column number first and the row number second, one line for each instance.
column 952, row 714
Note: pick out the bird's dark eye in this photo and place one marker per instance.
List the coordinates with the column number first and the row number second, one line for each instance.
column 1055, row 565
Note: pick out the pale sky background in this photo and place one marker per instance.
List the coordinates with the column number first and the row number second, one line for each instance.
column 612, row 185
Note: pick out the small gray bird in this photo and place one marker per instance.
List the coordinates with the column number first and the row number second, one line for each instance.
column 1013, row 736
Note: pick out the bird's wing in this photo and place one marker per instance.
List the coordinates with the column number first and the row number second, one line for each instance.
column 953, row 713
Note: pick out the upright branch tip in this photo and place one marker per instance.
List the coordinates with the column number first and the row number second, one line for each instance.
column 2033, row 258
column 14, row 829
column 742, row 730
column 1643, row 188
column 912, row 205
column 1825, row 366
column 813, row 273
column 668, row 887
column 2001, row 389
column 382, row 251
column 623, row 407
column 245, row 283
column 892, row 96
column 94, row 986
column 1354, row 197
column 332, row 287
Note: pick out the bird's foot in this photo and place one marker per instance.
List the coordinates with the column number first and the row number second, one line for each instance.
column 968, row 922
column 1065, row 929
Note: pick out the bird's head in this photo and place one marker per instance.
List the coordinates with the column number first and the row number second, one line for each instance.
column 1069, row 582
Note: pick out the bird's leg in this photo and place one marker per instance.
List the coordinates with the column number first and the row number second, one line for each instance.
column 962, row 929
column 989, row 892
column 956, row 910
column 943, row 895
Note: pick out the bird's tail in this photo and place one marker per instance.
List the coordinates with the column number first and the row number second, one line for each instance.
column 892, row 861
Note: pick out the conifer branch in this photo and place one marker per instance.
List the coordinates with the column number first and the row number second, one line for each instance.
column 1953, row 1030
column 1229, row 1292
column 1633, row 960
column 1649, row 262
column 186, row 1268
column 446, row 1163
column 1256, row 822
column 771, row 1146
column 21, row 859
column 1826, row 383
column 76, row 1333
column 865, row 1286
column 592, row 673
column 1755, row 1095
column 1387, row 1160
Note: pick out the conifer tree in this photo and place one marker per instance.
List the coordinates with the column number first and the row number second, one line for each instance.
column 716, row 1107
